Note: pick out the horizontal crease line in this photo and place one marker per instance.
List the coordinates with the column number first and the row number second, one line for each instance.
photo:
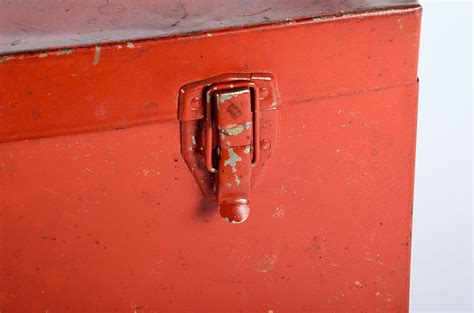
column 346, row 94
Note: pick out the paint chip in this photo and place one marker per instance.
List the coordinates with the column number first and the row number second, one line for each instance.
column 267, row 264
column 227, row 96
column 64, row 51
column 279, row 212
column 232, row 160
column 5, row 58
column 96, row 55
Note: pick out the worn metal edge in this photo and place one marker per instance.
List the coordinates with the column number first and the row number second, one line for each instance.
column 397, row 9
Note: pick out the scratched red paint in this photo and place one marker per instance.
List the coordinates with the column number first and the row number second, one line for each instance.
column 100, row 216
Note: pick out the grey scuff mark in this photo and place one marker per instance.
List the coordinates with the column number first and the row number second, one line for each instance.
column 256, row 13
column 232, row 160
column 130, row 45
column 237, row 179
column 64, row 51
column 5, row 58
column 96, row 55
column 42, row 55
column 101, row 112
column 185, row 15
column 55, row 193
column 227, row 96
column 110, row 9
column 31, row 27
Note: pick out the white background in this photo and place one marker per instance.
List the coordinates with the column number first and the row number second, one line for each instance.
column 442, row 260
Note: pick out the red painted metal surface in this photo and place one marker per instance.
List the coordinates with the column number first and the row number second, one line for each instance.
column 100, row 216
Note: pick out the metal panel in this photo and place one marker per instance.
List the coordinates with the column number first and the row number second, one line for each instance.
column 100, row 216
column 68, row 91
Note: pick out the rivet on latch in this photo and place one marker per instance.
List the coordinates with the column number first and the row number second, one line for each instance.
column 263, row 92
column 195, row 104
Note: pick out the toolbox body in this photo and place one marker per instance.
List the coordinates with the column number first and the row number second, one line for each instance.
column 128, row 130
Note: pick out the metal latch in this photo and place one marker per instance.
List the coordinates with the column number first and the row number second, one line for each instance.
column 228, row 131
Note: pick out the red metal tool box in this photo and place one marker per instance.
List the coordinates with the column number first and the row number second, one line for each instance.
column 207, row 156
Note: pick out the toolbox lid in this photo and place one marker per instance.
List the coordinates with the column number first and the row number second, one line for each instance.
column 42, row 25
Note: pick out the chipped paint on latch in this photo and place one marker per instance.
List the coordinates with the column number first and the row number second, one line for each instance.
column 96, row 55
column 64, row 51
column 130, row 45
column 237, row 179
column 232, row 160
column 247, row 150
column 193, row 140
column 233, row 131
column 227, row 96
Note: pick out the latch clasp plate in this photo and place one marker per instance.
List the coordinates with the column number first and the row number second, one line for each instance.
column 225, row 121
